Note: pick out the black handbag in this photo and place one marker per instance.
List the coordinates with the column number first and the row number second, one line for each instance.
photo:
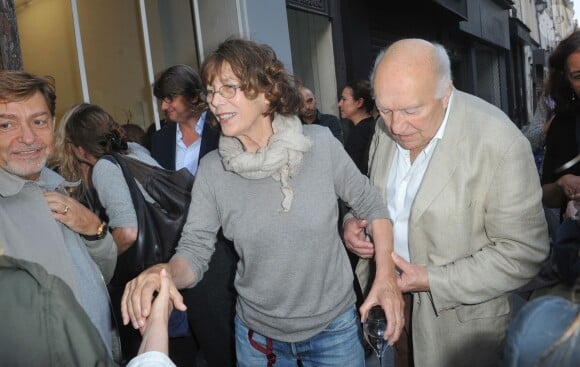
column 159, row 223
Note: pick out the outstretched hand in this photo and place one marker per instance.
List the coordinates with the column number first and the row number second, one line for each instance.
column 138, row 295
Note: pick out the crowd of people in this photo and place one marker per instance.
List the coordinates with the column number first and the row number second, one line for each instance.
column 436, row 188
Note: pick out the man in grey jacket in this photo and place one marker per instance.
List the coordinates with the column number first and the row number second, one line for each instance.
column 39, row 222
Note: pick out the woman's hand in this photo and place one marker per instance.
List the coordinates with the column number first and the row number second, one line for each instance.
column 139, row 292
column 384, row 290
column 385, row 293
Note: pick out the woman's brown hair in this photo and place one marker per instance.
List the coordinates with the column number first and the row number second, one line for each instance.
column 259, row 71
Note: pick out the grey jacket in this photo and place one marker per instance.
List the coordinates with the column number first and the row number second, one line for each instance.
column 28, row 231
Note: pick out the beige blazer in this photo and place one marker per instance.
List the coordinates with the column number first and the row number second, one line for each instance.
column 477, row 224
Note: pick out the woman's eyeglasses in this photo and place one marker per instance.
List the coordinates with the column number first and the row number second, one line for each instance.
column 227, row 91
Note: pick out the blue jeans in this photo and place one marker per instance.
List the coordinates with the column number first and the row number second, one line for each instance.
column 536, row 328
column 339, row 345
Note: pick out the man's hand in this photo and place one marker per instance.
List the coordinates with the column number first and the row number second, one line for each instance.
column 386, row 294
column 72, row 214
column 138, row 296
column 355, row 239
column 413, row 278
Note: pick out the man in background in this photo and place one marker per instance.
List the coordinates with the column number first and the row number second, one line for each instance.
column 187, row 135
column 309, row 114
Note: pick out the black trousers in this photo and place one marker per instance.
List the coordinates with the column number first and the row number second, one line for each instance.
column 211, row 309
column 404, row 346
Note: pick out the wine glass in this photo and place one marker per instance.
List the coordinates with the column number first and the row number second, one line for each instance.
column 374, row 331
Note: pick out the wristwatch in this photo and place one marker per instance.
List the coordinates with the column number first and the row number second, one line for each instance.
column 101, row 233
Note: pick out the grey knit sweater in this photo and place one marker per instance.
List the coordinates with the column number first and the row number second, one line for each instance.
column 293, row 277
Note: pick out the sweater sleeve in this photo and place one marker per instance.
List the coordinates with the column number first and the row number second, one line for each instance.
column 197, row 243
column 104, row 254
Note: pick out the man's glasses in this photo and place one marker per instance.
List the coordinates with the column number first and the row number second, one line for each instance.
column 167, row 99
column 226, row 91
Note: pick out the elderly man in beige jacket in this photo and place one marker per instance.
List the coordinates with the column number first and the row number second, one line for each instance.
column 465, row 201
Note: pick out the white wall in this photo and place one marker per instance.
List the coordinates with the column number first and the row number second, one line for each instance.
column 263, row 21
column 114, row 53
column 47, row 43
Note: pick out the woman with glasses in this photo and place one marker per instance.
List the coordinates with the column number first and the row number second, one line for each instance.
column 189, row 134
column 356, row 104
column 272, row 187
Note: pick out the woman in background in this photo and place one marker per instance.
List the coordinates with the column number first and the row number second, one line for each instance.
column 86, row 134
column 560, row 184
column 356, row 104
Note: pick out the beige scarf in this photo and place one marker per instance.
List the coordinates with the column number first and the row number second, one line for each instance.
column 280, row 159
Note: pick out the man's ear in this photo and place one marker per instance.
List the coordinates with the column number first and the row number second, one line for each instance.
column 447, row 94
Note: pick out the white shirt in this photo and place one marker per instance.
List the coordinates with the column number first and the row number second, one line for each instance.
column 404, row 182
column 151, row 359
column 188, row 156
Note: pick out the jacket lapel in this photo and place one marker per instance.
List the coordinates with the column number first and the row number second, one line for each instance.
column 163, row 145
column 381, row 157
column 444, row 161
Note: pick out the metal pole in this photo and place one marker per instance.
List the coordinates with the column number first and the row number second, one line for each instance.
column 198, row 35
column 80, row 54
column 147, row 45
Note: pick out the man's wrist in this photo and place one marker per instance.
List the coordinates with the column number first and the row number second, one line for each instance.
column 100, row 233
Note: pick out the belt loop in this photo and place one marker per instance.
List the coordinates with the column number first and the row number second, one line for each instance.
column 268, row 351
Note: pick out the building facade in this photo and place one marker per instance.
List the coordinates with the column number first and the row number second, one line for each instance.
column 108, row 52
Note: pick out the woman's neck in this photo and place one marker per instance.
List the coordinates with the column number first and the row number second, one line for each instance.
column 258, row 137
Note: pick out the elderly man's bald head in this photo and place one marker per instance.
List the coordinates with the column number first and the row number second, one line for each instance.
column 414, row 54
column 412, row 87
